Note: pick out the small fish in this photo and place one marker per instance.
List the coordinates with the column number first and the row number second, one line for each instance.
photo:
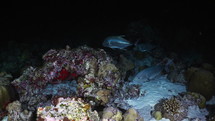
column 116, row 42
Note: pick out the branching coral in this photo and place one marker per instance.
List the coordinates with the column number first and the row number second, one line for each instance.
column 69, row 109
column 171, row 109
column 178, row 107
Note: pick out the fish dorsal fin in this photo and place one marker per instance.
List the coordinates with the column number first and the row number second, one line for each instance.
column 120, row 37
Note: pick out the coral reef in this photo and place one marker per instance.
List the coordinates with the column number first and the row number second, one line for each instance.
column 124, row 92
column 132, row 115
column 180, row 107
column 15, row 112
column 172, row 109
column 93, row 70
column 157, row 115
column 103, row 95
column 201, row 81
column 111, row 113
column 69, row 109
column 193, row 98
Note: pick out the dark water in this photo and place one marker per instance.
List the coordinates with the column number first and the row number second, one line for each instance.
column 34, row 28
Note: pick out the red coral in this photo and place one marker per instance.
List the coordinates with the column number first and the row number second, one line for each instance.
column 63, row 75
column 74, row 75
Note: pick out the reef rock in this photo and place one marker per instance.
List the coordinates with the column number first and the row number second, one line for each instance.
column 93, row 70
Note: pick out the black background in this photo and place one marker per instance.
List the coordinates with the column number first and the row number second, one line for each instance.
column 77, row 22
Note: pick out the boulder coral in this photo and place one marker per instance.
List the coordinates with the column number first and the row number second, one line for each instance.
column 201, row 81
column 132, row 115
column 111, row 114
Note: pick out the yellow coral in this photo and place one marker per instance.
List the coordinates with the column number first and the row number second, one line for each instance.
column 132, row 115
column 4, row 96
column 157, row 115
column 111, row 113
column 201, row 99
column 103, row 95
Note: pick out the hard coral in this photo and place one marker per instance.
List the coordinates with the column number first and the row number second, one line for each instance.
column 15, row 112
column 173, row 109
column 70, row 109
column 201, row 81
column 178, row 107
column 111, row 114
column 132, row 115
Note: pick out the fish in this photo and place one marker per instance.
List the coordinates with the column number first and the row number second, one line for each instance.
column 116, row 42
column 148, row 74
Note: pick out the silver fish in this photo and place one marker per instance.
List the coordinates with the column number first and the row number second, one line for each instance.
column 116, row 42
column 148, row 74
